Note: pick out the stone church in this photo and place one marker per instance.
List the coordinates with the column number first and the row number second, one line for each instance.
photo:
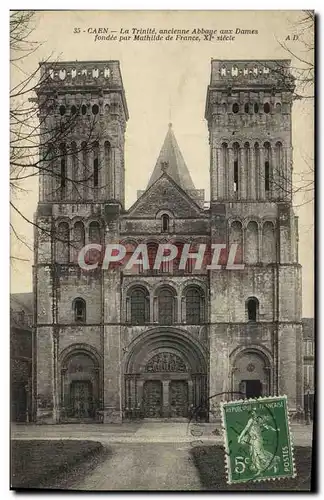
column 113, row 344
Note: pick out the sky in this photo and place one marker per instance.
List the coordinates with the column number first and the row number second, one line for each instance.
column 167, row 81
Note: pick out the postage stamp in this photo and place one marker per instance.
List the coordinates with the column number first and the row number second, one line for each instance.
column 258, row 442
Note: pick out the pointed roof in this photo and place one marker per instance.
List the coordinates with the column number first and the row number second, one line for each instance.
column 170, row 160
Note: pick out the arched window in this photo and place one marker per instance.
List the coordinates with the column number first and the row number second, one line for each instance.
column 257, row 168
column 84, row 109
column 109, row 170
column 166, row 306
column 194, row 306
column 94, row 237
column 74, row 173
column 252, row 307
column 278, row 107
column 280, row 171
column 252, row 243
column 79, row 309
column 152, row 249
column 268, row 243
column 165, row 223
column 139, row 306
column 63, row 243
column 62, row 110
column 95, row 109
column 256, row 107
column 235, row 108
column 246, row 163
column 266, row 107
column 73, row 109
column 95, row 165
column 246, row 107
column 236, row 238
column 63, row 169
column 84, row 174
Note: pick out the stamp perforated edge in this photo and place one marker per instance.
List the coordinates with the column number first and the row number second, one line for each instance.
column 291, row 446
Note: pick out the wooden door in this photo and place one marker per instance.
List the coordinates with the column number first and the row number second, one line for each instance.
column 178, row 398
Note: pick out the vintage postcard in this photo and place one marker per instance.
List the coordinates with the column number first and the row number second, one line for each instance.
column 162, row 259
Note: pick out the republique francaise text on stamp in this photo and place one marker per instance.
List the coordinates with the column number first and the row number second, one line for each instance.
column 257, row 439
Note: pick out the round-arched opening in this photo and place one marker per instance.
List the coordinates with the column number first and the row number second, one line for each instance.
column 251, row 374
column 73, row 110
column 80, row 386
column 62, row 110
column 256, row 107
column 235, row 107
column 138, row 305
column 266, row 107
column 84, row 109
column 246, row 107
column 95, row 109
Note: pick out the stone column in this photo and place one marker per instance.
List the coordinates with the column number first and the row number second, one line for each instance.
column 113, row 173
column 101, row 171
column 219, row 174
column 260, row 243
column 155, row 309
column 56, row 390
column 128, row 310
column 224, row 170
column 287, row 182
column 140, row 388
column 68, row 174
column 183, row 309
column 166, row 402
column 243, row 169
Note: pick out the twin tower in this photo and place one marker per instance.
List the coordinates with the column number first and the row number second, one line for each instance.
column 108, row 344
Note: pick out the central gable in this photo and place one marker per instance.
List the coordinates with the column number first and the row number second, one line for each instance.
column 164, row 194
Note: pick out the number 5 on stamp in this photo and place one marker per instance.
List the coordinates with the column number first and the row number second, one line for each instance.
column 258, row 443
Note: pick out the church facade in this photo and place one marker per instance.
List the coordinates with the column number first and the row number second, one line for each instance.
column 112, row 344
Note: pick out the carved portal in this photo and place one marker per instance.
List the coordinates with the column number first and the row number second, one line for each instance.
column 166, row 362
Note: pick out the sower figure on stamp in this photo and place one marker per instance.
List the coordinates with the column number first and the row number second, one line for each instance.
column 261, row 459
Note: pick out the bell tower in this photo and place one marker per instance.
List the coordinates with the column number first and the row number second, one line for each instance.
column 248, row 110
column 82, row 115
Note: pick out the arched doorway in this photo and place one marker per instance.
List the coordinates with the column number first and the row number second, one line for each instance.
column 251, row 374
column 165, row 375
column 79, row 386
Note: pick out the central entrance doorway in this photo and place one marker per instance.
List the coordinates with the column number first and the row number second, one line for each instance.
column 251, row 388
column 251, row 374
column 152, row 400
column 179, row 401
column 81, row 399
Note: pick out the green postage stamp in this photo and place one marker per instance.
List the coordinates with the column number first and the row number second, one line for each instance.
column 258, row 443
